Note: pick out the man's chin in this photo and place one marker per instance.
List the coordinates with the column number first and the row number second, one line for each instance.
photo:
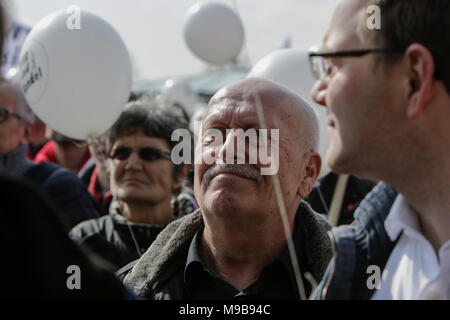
column 336, row 162
column 135, row 197
column 226, row 204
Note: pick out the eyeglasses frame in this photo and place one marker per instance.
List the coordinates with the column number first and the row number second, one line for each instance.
column 9, row 113
column 163, row 154
column 348, row 53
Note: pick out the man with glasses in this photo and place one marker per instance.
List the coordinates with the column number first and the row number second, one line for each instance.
column 388, row 97
column 70, row 195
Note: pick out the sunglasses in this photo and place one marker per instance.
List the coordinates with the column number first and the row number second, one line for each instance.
column 145, row 154
column 5, row 113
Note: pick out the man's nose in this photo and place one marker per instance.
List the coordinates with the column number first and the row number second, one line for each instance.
column 318, row 92
column 133, row 162
column 229, row 152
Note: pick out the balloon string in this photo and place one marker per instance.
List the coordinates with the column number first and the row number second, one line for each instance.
column 92, row 140
column 282, row 210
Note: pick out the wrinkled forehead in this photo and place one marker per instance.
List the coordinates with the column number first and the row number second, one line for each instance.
column 346, row 25
column 240, row 108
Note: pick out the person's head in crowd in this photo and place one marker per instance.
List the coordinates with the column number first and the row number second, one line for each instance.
column 69, row 153
column 36, row 136
column 236, row 244
column 15, row 122
column 144, row 182
column 377, row 99
column 15, row 117
column 143, row 175
column 244, row 190
column 384, row 75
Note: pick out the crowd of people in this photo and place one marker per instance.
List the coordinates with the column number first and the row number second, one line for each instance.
column 143, row 227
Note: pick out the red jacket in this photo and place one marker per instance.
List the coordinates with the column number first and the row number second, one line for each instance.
column 47, row 153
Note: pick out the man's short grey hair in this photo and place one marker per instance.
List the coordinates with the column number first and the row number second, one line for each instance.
column 22, row 106
column 20, row 103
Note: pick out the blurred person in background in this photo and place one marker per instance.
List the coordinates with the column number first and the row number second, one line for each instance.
column 68, row 192
column 69, row 153
column 37, row 137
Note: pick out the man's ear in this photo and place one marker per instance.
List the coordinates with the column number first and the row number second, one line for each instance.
column 178, row 180
column 310, row 172
column 420, row 70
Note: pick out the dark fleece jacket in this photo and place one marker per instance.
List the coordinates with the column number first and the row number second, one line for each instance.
column 150, row 275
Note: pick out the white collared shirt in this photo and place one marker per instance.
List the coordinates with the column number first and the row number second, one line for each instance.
column 413, row 270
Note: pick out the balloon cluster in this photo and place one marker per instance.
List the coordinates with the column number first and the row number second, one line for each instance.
column 77, row 80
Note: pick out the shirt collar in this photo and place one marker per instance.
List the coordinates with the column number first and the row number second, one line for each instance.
column 285, row 259
column 194, row 250
column 402, row 217
column 194, row 258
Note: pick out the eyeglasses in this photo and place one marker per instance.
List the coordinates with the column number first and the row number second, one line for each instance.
column 320, row 66
column 5, row 113
column 145, row 153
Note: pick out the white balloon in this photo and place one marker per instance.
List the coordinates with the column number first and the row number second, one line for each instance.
column 180, row 91
column 76, row 77
column 214, row 32
column 290, row 67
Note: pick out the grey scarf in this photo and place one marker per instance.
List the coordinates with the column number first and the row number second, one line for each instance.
column 15, row 161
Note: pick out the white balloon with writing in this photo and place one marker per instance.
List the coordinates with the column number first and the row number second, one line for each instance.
column 75, row 76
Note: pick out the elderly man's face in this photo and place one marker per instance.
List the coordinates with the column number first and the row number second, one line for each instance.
column 244, row 191
column 12, row 131
column 359, row 95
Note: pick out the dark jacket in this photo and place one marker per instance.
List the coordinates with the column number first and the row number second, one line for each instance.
column 39, row 261
column 358, row 246
column 66, row 189
column 110, row 236
column 153, row 276
column 356, row 189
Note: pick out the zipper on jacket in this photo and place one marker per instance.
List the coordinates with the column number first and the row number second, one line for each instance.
column 334, row 252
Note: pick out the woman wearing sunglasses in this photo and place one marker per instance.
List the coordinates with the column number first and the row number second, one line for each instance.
column 144, row 183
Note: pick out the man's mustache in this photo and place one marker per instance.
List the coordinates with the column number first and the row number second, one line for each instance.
column 242, row 170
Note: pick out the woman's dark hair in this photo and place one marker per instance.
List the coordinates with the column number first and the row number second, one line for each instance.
column 155, row 116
